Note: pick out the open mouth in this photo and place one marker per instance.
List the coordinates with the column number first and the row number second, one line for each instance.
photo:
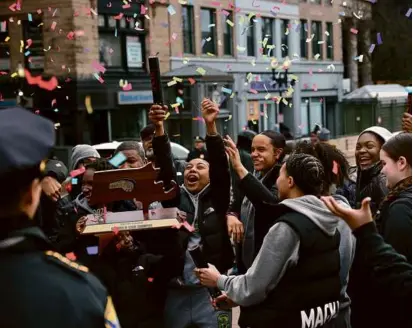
column 192, row 178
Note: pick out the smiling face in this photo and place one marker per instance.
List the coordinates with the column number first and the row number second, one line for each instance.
column 87, row 181
column 368, row 150
column 394, row 171
column 196, row 175
column 133, row 160
column 264, row 155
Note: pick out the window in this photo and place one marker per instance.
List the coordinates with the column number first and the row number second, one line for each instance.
column 316, row 30
column 228, row 34
column 267, row 34
column 284, row 38
column 4, row 46
column 188, row 29
column 208, row 30
column 303, row 39
column 121, row 42
column 330, row 49
column 34, row 30
column 251, row 37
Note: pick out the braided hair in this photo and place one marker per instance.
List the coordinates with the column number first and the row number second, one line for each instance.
column 327, row 154
column 307, row 172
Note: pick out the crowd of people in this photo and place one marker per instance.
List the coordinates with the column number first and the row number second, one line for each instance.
column 295, row 240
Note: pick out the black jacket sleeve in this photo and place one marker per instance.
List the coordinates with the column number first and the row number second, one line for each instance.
column 256, row 192
column 219, row 175
column 387, row 270
column 398, row 228
column 165, row 162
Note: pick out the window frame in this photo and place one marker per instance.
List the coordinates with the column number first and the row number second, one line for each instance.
column 191, row 31
column 251, row 29
column 330, row 41
column 284, row 38
column 122, row 34
column 271, row 38
column 316, row 39
column 212, row 34
column 5, row 45
column 25, row 24
column 303, row 39
column 227, row 28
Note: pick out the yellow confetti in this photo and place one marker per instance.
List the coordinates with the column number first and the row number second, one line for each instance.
column 229, row 118
column 317, row 56
column 264, row 42
column 88, row 105
column 250, row 16
column 167, row 115
column 7, row 39
column 186, row 60
column 267, row 96
column 294, row 77
column 210, row 54
column 287, row 31
column 309, row 39
column 201, row 71
column 285, row 102
column 182, row 2
column 241, row 49
column 230, row 23
column 208, row 39
column 171, row 83
column 177, row 79
column 249, row 77
column 232, row 95
column 175, row 105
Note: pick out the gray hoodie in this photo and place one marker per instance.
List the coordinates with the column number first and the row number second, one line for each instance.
column 280, row 251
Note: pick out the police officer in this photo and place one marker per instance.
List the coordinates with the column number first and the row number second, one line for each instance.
column 39, row 287
column 199, row 151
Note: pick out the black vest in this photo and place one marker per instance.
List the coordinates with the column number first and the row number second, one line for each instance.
column 308, row 294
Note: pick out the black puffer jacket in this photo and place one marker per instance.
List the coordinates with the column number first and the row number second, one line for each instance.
column 371, row 183
column 212, row 204
column 394, row 219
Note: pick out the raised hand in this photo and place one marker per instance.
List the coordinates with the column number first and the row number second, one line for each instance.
column 209, row 111
column 157, row 114
column 232, row 152
column 407, row 122
column 354, row 218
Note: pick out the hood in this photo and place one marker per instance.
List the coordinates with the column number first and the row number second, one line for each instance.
column 81, row 202
column 80, row 152
column 316, row 211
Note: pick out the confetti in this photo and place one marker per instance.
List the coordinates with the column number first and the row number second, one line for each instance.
column 115, row 230
column 171, row 10
column 167, row 115
column 201, row 71
column 53, row 26
column 29, row 43
column 92, row 250
column 47, row 85
column 77, row 172
column 99, row 78
column 29, row 17
column 191, row 80
column 150, row 279
column 88, row 104
column 409, row 12
column 71, row 256
column 379, row 40
column 74, row 181
column 229, row 118
column 230, row 23
column 241, row 49
column 118, row 159
column 253, row 91
column 226, row 90
column 127, row 87
column 354, row 31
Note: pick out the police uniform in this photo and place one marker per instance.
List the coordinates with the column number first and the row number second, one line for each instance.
column 198, row 153
column 40, row 287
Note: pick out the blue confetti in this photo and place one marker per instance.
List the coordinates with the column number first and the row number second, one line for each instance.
column 226, row 90
column 27, row 53
column 116, row 32
column 29, row 17
column 409, row 12
column 379, row 40
column 118, row 159
column 92, row 250
column 171, row 10
column 74, row 181
column 372, row 48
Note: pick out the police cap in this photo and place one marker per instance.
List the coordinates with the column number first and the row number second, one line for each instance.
column 25, row 139
column 199, row 139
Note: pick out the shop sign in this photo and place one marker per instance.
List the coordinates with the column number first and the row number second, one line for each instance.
column 135, row 97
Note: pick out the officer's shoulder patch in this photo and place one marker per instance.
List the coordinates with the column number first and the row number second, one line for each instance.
column 66, row 261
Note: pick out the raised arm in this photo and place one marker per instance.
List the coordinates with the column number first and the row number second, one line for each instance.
column 220, row 179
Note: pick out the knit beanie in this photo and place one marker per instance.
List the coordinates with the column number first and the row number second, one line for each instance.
column 379, row 131
column 80, row 152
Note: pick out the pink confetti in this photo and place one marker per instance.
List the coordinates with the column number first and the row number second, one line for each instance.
column 150, row 279
column 118, row 17
column 174, row 36
column 53, row 102
column 53, row 26
column 216, row 3
column 191, row 80
column 71, row 256
column 39, row 11
column 143, row 10
column 354, row 31
column 97, row 66
column 127, row 87
column 226, row 13
column 70, row 35
column 126, row 6
column 29, row 43
column 335, row 167
column 253, row 91
column 115, row 230
column 314, row 87
column 13, row 7
column 77, row 172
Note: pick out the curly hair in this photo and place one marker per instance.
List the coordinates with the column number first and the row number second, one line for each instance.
column 101, row 164
column 327, row 154
column 307, row 172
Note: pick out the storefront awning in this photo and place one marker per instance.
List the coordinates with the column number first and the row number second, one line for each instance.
column 381, row 92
